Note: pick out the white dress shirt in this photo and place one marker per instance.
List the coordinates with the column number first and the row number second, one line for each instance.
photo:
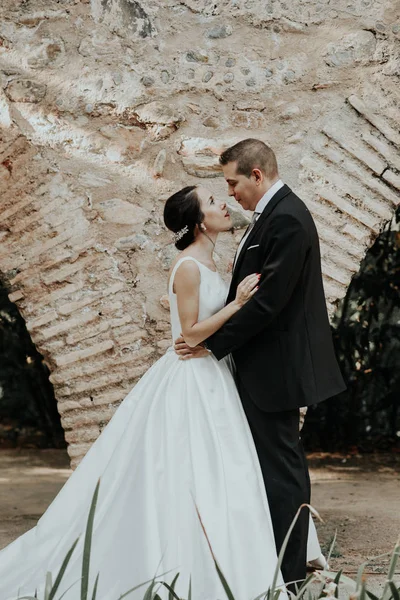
column 262, row 203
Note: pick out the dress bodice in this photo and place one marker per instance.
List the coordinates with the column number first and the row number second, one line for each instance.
column 212, row 294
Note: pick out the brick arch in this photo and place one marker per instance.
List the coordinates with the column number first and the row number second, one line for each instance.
column 85, row 160
column 351, row 179
column 79, row 298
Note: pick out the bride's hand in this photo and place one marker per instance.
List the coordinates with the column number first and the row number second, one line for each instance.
column 247, row 288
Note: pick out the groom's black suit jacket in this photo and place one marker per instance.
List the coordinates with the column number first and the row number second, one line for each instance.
column 280, row 339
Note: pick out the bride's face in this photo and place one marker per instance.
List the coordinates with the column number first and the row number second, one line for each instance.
column 216, row 215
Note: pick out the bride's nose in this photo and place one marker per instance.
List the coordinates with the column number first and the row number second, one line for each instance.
column 223, row 206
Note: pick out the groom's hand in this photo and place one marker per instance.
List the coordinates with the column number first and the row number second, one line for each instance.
column 185, row 352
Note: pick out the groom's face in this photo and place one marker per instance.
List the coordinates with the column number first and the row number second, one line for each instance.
column 245, row 190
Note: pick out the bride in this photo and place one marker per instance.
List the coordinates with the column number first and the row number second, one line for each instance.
column 178, row 443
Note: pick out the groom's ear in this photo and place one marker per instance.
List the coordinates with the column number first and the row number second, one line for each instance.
column 258, row 176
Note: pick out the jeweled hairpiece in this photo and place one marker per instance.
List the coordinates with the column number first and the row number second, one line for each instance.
column 179, row 234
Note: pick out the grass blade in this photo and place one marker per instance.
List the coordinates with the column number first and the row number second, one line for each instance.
column 392, row 568
column 48, row 586
column 328, row 560
column 394, row 590
column 190, row 589
column 225, row 585
column 71, row 586
column 173, row 584
column 88, row 545
column 149, row 592
column 96, row 583
column 141, row 585
column 359, row 580
column 337, row 581
column 172, row 594
column 285, row 543
column 171, row 588
column 62, row 570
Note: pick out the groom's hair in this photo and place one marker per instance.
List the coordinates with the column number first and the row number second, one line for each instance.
column 251, row 154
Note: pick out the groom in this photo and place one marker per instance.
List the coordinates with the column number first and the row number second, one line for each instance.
column 280, row 339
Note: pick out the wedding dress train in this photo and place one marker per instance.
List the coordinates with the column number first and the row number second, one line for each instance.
column 178, row 441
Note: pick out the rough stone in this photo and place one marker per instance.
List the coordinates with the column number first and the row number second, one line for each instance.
column 197, row 56
column 158, row 113
column 25, row 90
column 50, row 53
column 211, row 122
column 126, row 17
column 239, row 219
column 168, row 255
column 147, row 81
column 159, row 163
column 289, row 76
column 165, row 76
column 353, row 48
column 164, row 301
column 200, row 156
column 120, row 211
column 208, row 76
column 219, row 31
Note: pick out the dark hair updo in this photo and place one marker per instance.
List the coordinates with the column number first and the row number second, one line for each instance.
column 181, row 210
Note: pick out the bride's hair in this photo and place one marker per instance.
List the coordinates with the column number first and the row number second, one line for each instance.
column 182, row 212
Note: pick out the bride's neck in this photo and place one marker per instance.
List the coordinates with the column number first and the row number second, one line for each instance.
column 205, row 244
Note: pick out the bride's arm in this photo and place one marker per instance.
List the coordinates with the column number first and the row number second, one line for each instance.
column 186, row 286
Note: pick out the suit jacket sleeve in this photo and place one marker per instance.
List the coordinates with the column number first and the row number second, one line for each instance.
column 286, row 243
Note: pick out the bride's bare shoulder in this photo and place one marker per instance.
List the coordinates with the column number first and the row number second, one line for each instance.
column 187, row 268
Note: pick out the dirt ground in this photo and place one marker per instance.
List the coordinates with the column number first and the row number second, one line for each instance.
column 357, row 496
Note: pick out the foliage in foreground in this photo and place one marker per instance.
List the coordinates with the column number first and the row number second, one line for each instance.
column 328, row 589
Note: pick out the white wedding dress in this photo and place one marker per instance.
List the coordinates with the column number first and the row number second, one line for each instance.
column 180, row 439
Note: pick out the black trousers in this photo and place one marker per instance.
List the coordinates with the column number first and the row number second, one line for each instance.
column 286, row 478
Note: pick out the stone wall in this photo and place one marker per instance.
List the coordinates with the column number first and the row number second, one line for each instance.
column 106, row 108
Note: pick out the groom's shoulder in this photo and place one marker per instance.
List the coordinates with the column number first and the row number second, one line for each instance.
column 292, row 204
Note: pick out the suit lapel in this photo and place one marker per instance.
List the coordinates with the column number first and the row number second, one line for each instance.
column 280, row 194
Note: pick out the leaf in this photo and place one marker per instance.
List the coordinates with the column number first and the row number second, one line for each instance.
column 363, row 592
column 88, row 545
column 62, row 570
column 392, row 568
column 71, row 586
column 284, row 546
column 359, row 580
column 172, row 593
column 328, row 560
column 371, row 595
column 48, row 586
column 225, row 585
column 149, row 592
column 135, row 588
column 337, row 581
column 173, row 584
column 305, row 585
column 395, row 591
column 96, row 583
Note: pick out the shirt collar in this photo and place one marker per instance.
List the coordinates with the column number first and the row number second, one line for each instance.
column 268, row 196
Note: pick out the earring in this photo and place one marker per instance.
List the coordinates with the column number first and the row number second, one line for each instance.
column 203, row 227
